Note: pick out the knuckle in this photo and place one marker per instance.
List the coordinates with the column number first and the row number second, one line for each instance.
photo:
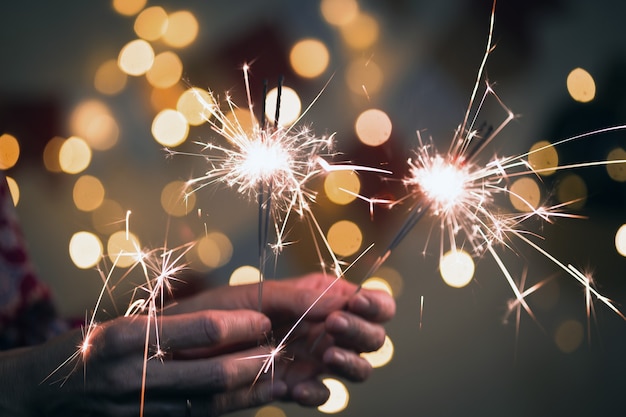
column 213, row 328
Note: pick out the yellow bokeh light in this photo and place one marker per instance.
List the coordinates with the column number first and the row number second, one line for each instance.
column 85, row 249
column 74, row 155
column 136, row 57
column 393, row 278
column 9, row 151
column 379, row 284
column 151, row 23
column 170, row 128
column 342, row 187
column 128, row 7
column 364, row 77
column 92, row 121
column 620, row 240
column 109, row 217
column 166, row 98
column 617, row 170
column 373, row 127
column 196, row 105
column 344, row 238
column 572, row 191
column 243, row 119
column 109, row 78
column 581, row 86
column 290, row 106
column 456, row 268
column 14, row 189
column 338, row 399
column 569, row 335
column 165, row 71
column 360, row 32
column 175, row 199
column 309, row 58
column 182, row 29
column 244, row 275
column 339, row 12
column 382, row 356
column 543, row 158
column 525, row 194
column 51, row 154
column 214, row 250
column 88, row 193
column 270, row 411
column 123, row 249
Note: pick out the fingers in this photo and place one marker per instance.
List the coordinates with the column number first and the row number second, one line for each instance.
column 353, row 332
column 376, row 306
column 310, row 393
column 347, row 364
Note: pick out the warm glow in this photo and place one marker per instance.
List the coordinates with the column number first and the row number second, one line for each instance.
column 196, row 105
column 9, row 151
column 88, row 193
column 51, row 154
column 175, row 200
column 128, row 7
column 270, row 411
column 309, row 58
column 244, row 275
column 338, row 399
column 92, row 120
column 379, row 284
column 393, row 278
column 573, row 191
column 382, row 356
column 109, row 79
column 373, row 127
column 620, row 240
column 617, row 171
column 442, row 182
column 241, row 118
column 569, row 335
column 165, row 98
column 14, row 189
column 182, row 29
column 109, row 217
column 290, row 106
column 342, row 187
column 525, row 194
column 456, row 268
column 170, row 128
column 581, row 86
column 151, row 23
column 361, row 32
column 364, row 77
column 543, row 158
column 214, row 250
column 136, row 57
column 74, row 155
column 166, row 70
column 124, row 248
column 339, row 12
column 344, row 238
column 85, row 250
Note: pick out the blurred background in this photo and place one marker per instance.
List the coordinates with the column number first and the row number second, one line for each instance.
column 92, row 92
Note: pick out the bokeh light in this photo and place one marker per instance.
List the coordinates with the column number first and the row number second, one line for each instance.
column 123, row 248
column 543, row 158
column 309, row 58
column 92, row 121
column 128, row 7
column 378, row 284
column 342, row 187
column 136, row 57
column 151, row 23
column 196, row 105
column 175, row 200
column 581, row 86
column 74, row 155
column 9, row 151
column 182, row 29
column 393, row 278
column 339, row 12
column 88, row 193
column 109, row 78
column 14, row 189
column 166, row 70
column 166, row 98
column 373, row 127
column 338, row 399
column 290, row 106
column 270, row 411
column 525, row 194
column 572, row 191
column 382, row 356
column 620, row 240
column 457, row 268
column 109, row 217
column 364, row 77
column 85, row 249
column 569, row 335
column 344, row 238
column 214, row 249
column 243, row 275
column 617, row 171
column 51, row 153
column 361, row 32
column 170, row 128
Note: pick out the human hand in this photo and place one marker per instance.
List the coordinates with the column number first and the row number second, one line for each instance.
column 342, row 324
column 106, row 380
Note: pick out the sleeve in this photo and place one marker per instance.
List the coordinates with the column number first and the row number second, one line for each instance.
column 27, row 313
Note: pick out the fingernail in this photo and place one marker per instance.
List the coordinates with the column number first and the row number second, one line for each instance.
column 361, row 302
column 339, row 324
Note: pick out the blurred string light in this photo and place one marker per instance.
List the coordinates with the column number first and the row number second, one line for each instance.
column 211, row 251
column 543, row 158
column 123, row 248
column 74, row 155
column 581, row 86
column 85, row 249
column 309, row 58
column 364, row 77
column 175, row 201
column 151, row 23
column 166, row 71
column 14, row 189
column 270, row 411
column 88, row 193
column 182, row 29
column 620, row 240
column 338, row 399
column 195, row 105
column 382, row 356
column 290, row 106
column 361, row 32
column 339, row 12
column 243, row 275
column 9, row 151
column 617, row 172
column 108, row 217
column 525, row 194
column 344, row 238
column 170, row 128
column 456, row 268
column 109, row 78
column 93, row 121
column 342, row 187
column 373, row 127
column 572, row 191
column 128, row 7
column 136, row 57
